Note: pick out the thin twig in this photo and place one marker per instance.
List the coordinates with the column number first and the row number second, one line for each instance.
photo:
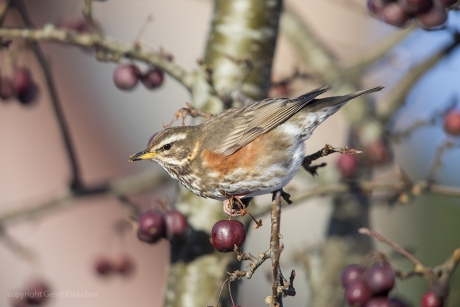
column 108, row 49
column 55, row 101
column 275, row 249
column 418, row 266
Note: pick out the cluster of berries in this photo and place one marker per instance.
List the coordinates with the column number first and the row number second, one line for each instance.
column 370, row 287
column 154, row 225
column 126, row 77
column 428, row 13
column 104, row 266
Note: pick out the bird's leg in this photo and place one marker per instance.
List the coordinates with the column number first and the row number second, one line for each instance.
column 236, row 206
column 286, row 196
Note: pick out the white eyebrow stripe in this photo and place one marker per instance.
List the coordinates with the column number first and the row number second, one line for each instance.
column 172, row 139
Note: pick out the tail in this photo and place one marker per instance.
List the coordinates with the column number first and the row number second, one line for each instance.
column 317, row 104
column 318, row 110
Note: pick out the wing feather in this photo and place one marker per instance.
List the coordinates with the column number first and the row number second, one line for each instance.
column 260, row 117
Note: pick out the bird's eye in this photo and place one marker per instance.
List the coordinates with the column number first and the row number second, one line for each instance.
column 167, row 147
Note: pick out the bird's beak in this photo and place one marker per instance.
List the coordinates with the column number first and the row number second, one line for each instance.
column 143, row 155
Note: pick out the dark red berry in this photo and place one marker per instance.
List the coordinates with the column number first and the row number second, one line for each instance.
column 376, row 6
column 381, row 278
column 29, row 95
column 352, row 273
column 378, row 153
column 227, row 233
column 153, row 78
column 125, row 265
column 126, row 76
column 435, row 17
column 379, row 301
column 37, row 292
column 357, row 294
column 176, row 224
column 6, row 88
column 430, row 299
column 348, row 165
column 151, row 226
column 103, row 266
column 395, row 15
column 22, row 80
column 452, row 122
column 415, row 6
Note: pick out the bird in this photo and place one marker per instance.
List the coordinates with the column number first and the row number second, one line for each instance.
column 246, row 151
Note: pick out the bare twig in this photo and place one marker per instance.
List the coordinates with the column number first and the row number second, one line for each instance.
column 418, row 266
column 327, row 150
column 116, row 188
column 108, row 48
column 275, row 250
column 75, row 181
column 437, row 161
column 88, row 13
column 415, row 189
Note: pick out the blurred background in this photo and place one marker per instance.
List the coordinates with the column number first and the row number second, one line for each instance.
column 107, row 125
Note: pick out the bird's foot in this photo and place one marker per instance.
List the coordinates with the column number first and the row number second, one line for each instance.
column 286, row 196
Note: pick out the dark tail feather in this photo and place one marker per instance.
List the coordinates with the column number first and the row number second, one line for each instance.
column 320, row 103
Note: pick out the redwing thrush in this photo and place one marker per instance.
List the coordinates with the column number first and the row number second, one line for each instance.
column 247, row 151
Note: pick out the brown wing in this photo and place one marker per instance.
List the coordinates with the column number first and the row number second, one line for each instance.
column 249, row 122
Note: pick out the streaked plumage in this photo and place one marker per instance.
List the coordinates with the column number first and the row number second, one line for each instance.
column 247, row 151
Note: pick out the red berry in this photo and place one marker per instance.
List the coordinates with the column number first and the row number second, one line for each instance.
column 37, row 292
column 352, row 273
column 348, row 165
column 21, row 80
column 227, row 233
column 153, row 78
column 435, row 17
column 125, row 265
column 176, row 224
column 126, row 76
column 28, row 95
column 452, row 122
column 378, row 153
column 151, row 226
column 381, row 278
column 6, row 88
column 430, row 299
column 395, row 15
column 376, row 6
column 103, row 266
column 415, row 6
column 357, row 294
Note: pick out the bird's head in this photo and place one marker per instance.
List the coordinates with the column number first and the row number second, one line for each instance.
column 171, row 148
